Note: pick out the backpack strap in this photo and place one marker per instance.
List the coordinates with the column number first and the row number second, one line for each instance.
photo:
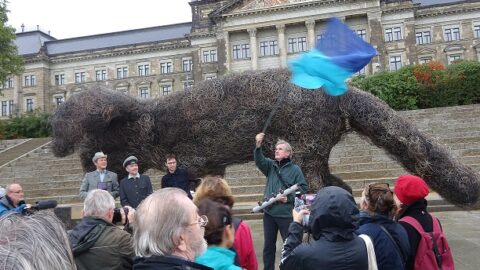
column 402, row 256
column 236, row 223
column 436, row 228
column 281, row 178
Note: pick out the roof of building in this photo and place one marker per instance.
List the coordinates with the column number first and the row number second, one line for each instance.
column 31, row 42
column 437, row 2
column 28, row 44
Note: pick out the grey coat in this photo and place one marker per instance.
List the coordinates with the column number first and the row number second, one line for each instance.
column 91, row 180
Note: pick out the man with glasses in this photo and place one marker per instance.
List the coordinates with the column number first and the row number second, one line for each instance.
column 176, row 177
column 13, row 201
column 169, row 232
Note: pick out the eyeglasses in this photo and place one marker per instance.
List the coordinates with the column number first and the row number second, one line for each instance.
column 20, row 191
column 202, row 220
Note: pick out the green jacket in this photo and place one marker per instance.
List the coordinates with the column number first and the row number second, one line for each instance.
column 291, row 174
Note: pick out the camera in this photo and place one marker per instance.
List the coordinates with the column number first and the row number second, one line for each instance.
column 304, row 202
column 117, row 215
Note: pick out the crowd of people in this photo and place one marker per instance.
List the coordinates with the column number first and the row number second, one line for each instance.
column 171, row 229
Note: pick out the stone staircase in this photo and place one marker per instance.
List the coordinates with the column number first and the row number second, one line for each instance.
column 359, row 162
column 354, row 159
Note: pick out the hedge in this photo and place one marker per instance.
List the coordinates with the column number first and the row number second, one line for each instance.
column 33, row 125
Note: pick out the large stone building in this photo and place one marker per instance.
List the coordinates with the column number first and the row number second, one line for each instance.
column 227, row 36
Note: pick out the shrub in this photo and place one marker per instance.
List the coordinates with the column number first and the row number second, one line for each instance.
column 34, row 125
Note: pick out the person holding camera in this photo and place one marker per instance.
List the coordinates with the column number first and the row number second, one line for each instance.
column 135, row 187
column 281, row 174
column 96, row 242
column 13, row 201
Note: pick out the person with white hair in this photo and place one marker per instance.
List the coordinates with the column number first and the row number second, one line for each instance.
column 14, row 200
column 101, row 178
column 168, row 233
column 34, row 242
column 96, row 242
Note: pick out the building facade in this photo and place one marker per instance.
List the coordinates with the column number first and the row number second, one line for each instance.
column 229, row 36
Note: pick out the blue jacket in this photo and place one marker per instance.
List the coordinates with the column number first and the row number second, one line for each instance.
column 333, row 221
column 218, row 258
column 388, row 258
column 6, row 206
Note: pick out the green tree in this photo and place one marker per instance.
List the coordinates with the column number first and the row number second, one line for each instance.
column 10, row 62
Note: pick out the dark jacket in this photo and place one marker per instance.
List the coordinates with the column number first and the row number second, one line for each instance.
column 333, row 221
column 417, row 210
column 166, row 262
column 98, row 244
column 6, row 206
column 134, row 190
column 290, row 173
column 179, row 179
column 385, row 250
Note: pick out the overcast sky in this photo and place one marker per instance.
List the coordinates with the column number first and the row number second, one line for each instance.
column 70, row 18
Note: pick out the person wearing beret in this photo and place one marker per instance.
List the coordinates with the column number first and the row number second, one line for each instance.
column 135, row 187
column 410, row 192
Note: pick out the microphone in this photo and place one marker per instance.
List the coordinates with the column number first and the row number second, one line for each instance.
column 47, row 204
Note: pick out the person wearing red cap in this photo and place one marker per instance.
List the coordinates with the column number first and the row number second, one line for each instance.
column 411, row 192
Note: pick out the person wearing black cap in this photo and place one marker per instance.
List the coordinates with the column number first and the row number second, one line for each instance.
column 135, row 187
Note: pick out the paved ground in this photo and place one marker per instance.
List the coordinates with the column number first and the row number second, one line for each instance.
column 462, row 229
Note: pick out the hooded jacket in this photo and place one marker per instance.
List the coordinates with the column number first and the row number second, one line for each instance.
column 6, row 206
column 332, row 224
column 388, row 258
column 98, row 244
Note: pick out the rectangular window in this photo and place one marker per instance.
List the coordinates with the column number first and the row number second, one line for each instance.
column 273, row 47
column 100, row 75
column 30, row 80
column 206, row 56
column 10, row 107
column 388, row 34
column 60, row 79
column 476, row 31
column 302, row 44
column 395, row 62
column 292, row 45
column 144, row 70
column 187, row 85
column 264, row 48
column 452, row 34
column 144, row 92
column 246, row 51
column 29, row 105
column 79, row 77
column 166, row 67
column 210, row 77
column 166, row 90
column 8, row 83
column 122, row 72
column 423, row 37
column 59, row 100
column 362, row 33
column 236, row 52
column 213, row 56
column 397, row 33
column 4, row 108
column 187, row 65
column 453, row 58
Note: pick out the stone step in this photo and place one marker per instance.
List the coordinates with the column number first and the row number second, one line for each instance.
column 33, row 179
column 245, row 181
column 42, row 173
column 21, row 149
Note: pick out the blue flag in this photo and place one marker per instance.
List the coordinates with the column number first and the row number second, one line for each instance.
column 339, row 54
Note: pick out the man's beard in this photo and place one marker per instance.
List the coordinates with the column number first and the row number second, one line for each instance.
column 199, row 247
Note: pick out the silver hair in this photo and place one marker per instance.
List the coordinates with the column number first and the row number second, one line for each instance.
column 34, row 242
column 97, row 203
column 8, row 188
column 160, row 220
column 288, row 147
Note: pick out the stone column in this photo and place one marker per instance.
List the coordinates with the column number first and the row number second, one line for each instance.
column 281, row 45
column 310, row 24
column 375, row 36
column 228, row 51
column 253, row 47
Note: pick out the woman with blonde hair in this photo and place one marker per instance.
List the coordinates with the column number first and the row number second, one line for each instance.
column 217, row 189
column 390, row 241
